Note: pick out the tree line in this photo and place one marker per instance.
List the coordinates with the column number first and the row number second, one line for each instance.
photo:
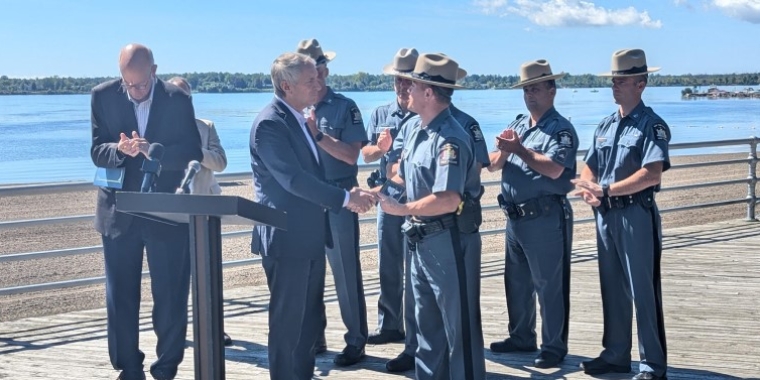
column 218, row 82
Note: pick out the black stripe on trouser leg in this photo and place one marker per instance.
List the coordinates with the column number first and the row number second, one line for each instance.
column 568, row 248
column 657, row 278
column 464, row 302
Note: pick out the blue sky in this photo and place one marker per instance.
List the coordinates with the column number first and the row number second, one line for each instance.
column 83, row 37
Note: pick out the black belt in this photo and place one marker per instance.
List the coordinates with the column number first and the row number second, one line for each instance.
column 645, row 198
column 346, row 183
column 429, row 227
column 531, row 208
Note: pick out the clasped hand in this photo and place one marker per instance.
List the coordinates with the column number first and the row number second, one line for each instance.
column 133, row 146
column 589, row 191
column 360, row 201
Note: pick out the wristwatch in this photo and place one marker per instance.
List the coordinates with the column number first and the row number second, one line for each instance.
column 606, row 190
column 319, row 136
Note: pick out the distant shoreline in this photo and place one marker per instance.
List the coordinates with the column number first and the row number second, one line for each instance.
column 230, row 83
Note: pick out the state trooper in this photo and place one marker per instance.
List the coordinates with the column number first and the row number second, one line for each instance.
column 536, row 156
column 472, row 127
column 623, row 170
column 442, row 181
column 384, row 126
column 339, row 133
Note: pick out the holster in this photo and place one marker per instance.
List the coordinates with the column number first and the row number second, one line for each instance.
column 469, row 217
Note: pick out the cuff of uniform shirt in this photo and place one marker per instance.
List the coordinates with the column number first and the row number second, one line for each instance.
column 345, row 200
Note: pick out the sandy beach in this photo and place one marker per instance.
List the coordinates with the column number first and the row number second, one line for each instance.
column 33, row 239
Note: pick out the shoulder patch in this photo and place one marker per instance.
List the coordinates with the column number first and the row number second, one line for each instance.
column 660, row 132
column 565, row 139
column 476, row 133
column 356, row 115
column 448, row 155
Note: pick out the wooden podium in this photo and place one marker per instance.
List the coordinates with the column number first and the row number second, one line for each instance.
column 204, row 214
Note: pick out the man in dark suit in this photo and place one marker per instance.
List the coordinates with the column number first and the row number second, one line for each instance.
column 129, row 114
column 288, row 176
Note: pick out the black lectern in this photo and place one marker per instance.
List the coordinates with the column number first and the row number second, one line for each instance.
column 204, row 213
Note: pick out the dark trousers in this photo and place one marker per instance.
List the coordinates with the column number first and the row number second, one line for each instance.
column 538, row 264
column 629, row 246
column 391, row 259
column 296, row 288
column 167, row 249
column 347, row 272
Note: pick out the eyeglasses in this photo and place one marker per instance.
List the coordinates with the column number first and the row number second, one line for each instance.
column 139, row 86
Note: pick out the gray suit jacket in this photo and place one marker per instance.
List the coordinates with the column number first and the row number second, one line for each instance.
column 214, row 160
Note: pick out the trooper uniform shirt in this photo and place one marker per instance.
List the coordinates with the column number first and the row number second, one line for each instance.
column 554, row 137
column 339, row 117
column 472, row 128
column 438, row 158
column 389, row 116
column 623, row 145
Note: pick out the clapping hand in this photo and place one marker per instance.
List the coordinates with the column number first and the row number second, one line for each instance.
column 385, row 140
column 508, row 141
column 126, row 146
column 360, row 201
column 139, row 144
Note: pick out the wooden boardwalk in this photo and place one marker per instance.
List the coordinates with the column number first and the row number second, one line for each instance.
column 711, row 282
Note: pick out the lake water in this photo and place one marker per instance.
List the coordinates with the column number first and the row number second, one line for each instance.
column 46, row 138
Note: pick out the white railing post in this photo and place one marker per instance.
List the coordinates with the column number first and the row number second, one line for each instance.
column 752, row 179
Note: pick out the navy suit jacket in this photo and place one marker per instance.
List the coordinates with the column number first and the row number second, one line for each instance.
column 171, row 122
column 287, row 177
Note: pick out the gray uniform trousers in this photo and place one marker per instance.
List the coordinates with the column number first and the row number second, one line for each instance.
column 629, row 246
column 391, row 260
column 347, row 272
column 538, row 263
column 438, row 310
column 296, row 287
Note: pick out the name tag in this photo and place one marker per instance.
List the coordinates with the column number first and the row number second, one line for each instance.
column 112, row 178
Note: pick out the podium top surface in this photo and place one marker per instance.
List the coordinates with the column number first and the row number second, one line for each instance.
column 178, row 208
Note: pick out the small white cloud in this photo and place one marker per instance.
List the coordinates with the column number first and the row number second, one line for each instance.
column 747, row 10
column 490, row 6
column 561, row 13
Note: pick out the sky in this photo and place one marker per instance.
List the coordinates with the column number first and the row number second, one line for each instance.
column 82, row 38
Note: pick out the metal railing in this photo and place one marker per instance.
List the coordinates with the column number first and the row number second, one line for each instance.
column 750, row 200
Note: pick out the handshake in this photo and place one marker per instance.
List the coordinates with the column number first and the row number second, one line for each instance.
column 360, row 201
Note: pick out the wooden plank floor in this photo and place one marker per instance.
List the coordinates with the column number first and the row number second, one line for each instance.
column 711, row 282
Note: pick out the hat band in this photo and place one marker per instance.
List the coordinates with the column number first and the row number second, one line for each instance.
column 432, row 78
column 632, row 70
column 321, row 60
column 403, row 71
column 538, row 77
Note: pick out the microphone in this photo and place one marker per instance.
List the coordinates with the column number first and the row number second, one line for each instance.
column 192, row 170
column 152, row 167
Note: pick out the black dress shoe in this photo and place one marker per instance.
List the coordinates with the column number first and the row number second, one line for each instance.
column 648, row 376
column 508, row 345
column 547, row 360
column 599, row 366
column 349, row 356
column 385, row 336
column 227, row 340
column 123, row 376
column 401, row 363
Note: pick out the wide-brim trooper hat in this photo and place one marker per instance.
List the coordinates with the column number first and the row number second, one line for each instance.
column 312, row 48
column 629, row 63
column 535, row 72
column 436, row 69
column 403, row 62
